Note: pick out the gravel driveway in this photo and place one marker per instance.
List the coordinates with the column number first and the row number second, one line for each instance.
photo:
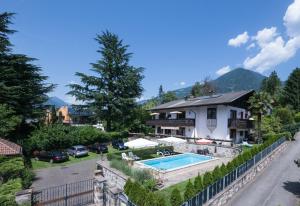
column 55, row 176
column 278, row 185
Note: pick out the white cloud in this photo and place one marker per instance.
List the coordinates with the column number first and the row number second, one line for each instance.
column 239, row 40
column 182, row 83
column 265, row 36
column 292, row 19
column 252, row 45
column 275, row 49
column 223, row 70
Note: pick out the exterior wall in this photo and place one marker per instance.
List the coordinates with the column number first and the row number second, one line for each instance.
column 65, row 114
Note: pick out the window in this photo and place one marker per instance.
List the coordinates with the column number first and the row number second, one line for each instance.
column 211, row 113
column 242, row 115
column 162, row 116
column 159, row 131
column 181, row 115
column 241, row 133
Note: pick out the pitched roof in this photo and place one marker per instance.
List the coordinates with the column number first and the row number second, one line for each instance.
column 9, row 148
column 217, row 99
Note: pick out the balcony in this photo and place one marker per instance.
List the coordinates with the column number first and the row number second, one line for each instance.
column 172, row 122
column 240, row 124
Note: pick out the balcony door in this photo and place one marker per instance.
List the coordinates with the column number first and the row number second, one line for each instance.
column 233, row 114
column 233, row 134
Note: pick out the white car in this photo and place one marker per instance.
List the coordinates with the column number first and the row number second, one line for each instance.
column 78, row 151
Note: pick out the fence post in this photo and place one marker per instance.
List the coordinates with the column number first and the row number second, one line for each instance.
column 66, row 196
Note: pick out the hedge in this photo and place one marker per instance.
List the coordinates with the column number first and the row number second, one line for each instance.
column 292, row 128
column 8, row 191
column 58, row 136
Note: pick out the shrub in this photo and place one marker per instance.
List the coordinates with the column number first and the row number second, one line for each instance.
column 8, row 191
column 223, row 169
column 198, row 185
column 58, row 136
column 11, row 168
column 141, row 175
column 207, row 179
column 150, row 184
column 189, row 191
column 297, row 117
column 176, row 199
column 27, row 178
column 122, row 166
column 216, row 174
column 285, row 115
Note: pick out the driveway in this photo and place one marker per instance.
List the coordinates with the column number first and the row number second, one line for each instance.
column 278, row 185
column 55, row 176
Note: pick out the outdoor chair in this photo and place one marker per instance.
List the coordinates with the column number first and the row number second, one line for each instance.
column 125, row 157
column 133, row 156
column 162, row 153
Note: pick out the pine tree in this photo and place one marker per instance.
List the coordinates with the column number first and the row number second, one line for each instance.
column 160, row 91
column 208, row 88
column 168, row 97
column 176, row 199
column 207, row 179
column 292, row 90
column 198, row 183
column 196, row 90
column 8, row 120
column 22, row 87
column 189, row 191
column 271, row 84
column 111, row 93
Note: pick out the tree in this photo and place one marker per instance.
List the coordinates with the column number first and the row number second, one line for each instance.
column 271, row 84
column 196, row 90
column 22, row 86
column 198, row 183
column 207, row 179
column 260, row 104
column 208, row 88
column 285, row 115
column 8, row 120
column 160, row 91
column 189, row 191
column 168, row 97
column 291, row 91
column 111, row 93
column 176, row 199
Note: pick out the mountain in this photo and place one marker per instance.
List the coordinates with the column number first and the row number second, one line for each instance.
column 57, row 102
column 235, row 80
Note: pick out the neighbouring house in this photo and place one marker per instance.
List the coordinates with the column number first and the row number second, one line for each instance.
column 74, row 116
column 221, row 116
column 8, row 148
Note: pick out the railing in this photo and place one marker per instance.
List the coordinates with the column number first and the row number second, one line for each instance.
column 239, row 124
column 171, row 122
column 217, row 187
column 73, row 194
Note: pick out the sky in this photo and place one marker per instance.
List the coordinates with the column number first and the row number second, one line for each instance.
column 177, row 42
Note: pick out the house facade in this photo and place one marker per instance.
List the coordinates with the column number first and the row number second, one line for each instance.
column 74, row 116
column 222, row 116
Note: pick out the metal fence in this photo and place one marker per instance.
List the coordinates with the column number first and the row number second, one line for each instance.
column 217, row 187
column 77, row 193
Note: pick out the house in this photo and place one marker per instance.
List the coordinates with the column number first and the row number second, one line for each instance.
column 221, row 116
column 74, row 115
column 8, row 148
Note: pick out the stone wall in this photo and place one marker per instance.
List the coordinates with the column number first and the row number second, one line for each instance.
column 223, row 197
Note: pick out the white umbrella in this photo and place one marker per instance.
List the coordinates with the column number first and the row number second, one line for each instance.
column 140, row 143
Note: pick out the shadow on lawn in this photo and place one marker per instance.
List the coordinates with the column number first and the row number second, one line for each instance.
column 293, row 187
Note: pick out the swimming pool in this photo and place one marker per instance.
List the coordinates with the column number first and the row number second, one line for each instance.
column 176, row 161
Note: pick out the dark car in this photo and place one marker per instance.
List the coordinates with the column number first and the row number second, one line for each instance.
column 119, row 144
column 98, row 148
column 52, row 156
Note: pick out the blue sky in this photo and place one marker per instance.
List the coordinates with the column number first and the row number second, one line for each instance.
column 177, row 42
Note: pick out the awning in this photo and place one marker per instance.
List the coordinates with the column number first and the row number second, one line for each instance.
column 204, row 141
column 140, row 143
column 172, row 140
column 175, row 112
column 175, row 128
column 154, row 113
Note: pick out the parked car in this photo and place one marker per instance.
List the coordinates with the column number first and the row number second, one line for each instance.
column 78, row 151
column 98, row 148
column 52, row 156
column 119, row 144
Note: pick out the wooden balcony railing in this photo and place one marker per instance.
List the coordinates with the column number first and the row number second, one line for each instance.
column 172, row 122
column 240, row 124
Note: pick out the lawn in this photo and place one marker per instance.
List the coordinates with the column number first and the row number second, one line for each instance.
column 42, row 164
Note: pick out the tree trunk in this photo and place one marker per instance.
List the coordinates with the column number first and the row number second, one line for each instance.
column 259, row 127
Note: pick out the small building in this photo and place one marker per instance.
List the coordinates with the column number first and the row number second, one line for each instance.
column 74, row 116
column 8, row 148
column 221, row 116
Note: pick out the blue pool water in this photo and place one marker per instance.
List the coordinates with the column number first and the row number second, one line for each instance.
column 176, row 161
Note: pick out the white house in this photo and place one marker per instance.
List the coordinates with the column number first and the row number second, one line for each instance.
column 222, row 116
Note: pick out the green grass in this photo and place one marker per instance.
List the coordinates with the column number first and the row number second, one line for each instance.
column 42, row 164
